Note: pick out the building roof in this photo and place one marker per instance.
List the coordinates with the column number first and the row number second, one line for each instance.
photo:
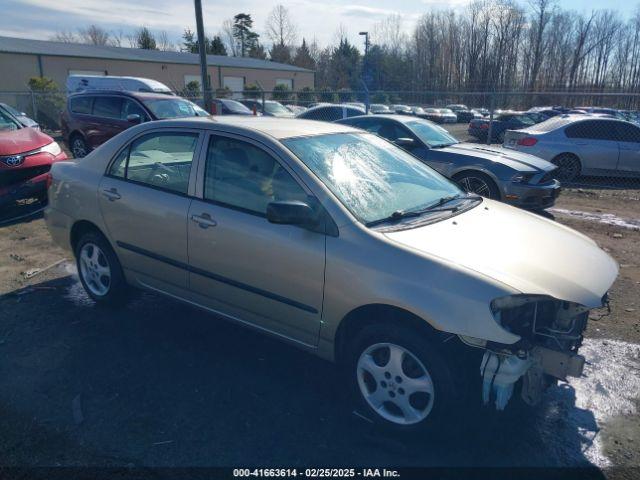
column 62, row 49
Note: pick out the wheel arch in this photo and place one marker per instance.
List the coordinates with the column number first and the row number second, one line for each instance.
column 76, row 133
column 79, row 228
column 370, row 314
column 568, row 153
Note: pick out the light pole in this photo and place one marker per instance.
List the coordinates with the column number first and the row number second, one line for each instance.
column 202, row 49
column 365, row 70
column 366, row 42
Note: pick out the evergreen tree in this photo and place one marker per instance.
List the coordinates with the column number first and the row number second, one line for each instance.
column 217, row 46
column 145, row 39
column 280, row 53
column 189, row 41
column 303, row 57
column 247, row 39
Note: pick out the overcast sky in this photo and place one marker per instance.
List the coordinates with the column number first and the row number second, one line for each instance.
column 317, row 19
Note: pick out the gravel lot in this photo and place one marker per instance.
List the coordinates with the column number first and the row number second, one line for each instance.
column 162, row 384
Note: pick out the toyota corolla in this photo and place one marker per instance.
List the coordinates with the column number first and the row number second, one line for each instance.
column 343, row 244
column 26, row 155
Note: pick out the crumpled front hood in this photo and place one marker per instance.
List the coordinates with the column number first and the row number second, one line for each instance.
column 529, row 253
column 22, row 140
column 512, row 158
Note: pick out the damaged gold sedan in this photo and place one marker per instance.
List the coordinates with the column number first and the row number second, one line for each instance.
column 342, row 244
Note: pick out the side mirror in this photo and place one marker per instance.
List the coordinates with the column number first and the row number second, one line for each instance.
column 134, row 118
column 290, row 213
column 405, row 142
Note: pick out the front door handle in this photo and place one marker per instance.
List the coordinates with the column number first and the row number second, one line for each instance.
column 111, row 194
column 204, row 220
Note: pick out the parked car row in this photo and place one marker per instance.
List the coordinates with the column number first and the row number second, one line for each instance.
column 493, row 172
column 582, row 145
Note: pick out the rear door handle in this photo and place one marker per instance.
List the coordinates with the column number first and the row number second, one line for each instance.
column 204, row 220
column 111, row 194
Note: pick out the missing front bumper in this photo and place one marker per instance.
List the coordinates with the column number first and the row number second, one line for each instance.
column 501, row 372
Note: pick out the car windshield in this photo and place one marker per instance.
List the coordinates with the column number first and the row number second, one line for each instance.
column 525, row 119
column 7, row 122
column 236, row 107
column 173, row 108
column 371, row 177
column 12, row 110
column 275, row 108
column 432, row 135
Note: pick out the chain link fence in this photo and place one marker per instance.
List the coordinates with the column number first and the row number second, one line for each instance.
column 593, row 137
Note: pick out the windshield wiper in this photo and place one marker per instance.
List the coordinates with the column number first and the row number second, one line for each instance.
column 434, row 207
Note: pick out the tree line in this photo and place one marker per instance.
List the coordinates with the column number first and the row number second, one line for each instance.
column 491, row 45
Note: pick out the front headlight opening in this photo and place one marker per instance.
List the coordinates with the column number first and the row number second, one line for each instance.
column 521, row 177
column 531, row 316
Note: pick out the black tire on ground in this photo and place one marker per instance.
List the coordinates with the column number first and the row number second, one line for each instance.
column 500, row 137
column 78, row 146
column 435, row 407
column 569, row 167
column 478, row 183
column 117, row 291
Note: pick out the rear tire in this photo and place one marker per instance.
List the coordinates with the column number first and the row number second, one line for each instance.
column 569, row 167
column 398, row 379
column 78, row 146
column 100, row 271
column 478, row 183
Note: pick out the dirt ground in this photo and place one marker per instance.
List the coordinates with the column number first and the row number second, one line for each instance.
column 86, row 362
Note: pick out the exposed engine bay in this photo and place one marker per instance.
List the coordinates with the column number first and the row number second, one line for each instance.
column 551, row 333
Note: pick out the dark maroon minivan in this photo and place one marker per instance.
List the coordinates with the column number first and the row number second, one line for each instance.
column 93, row 117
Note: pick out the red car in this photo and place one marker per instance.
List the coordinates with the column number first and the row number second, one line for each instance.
column 26, row 155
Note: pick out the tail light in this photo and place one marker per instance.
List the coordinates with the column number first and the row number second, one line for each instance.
column 484, row 126
column 527, row 141
column 49, row 180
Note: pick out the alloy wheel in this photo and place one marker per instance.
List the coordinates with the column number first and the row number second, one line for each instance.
column 395, row 383
column 95, row 269
column 475, row 185
column 568, row 168
column 78, row 148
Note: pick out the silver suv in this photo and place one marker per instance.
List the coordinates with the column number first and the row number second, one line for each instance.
column 342, row 244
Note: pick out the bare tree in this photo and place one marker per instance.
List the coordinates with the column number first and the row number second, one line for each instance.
column 65, row 37
column 164, row 43
column 228, row 38
column 94, row 35
column 279, row 27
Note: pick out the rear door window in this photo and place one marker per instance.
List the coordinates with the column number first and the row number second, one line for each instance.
column 107, row 107
column 161, row 160
column 81, row 105
column 592, row 130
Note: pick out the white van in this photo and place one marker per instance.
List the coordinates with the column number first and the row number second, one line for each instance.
column 79, row 83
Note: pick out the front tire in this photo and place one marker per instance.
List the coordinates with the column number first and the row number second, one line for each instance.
column 398, row 378
column 100, row 271
column 478, row 183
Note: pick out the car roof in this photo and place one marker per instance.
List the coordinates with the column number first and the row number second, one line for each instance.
column 124, row 93
column 278, row 128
